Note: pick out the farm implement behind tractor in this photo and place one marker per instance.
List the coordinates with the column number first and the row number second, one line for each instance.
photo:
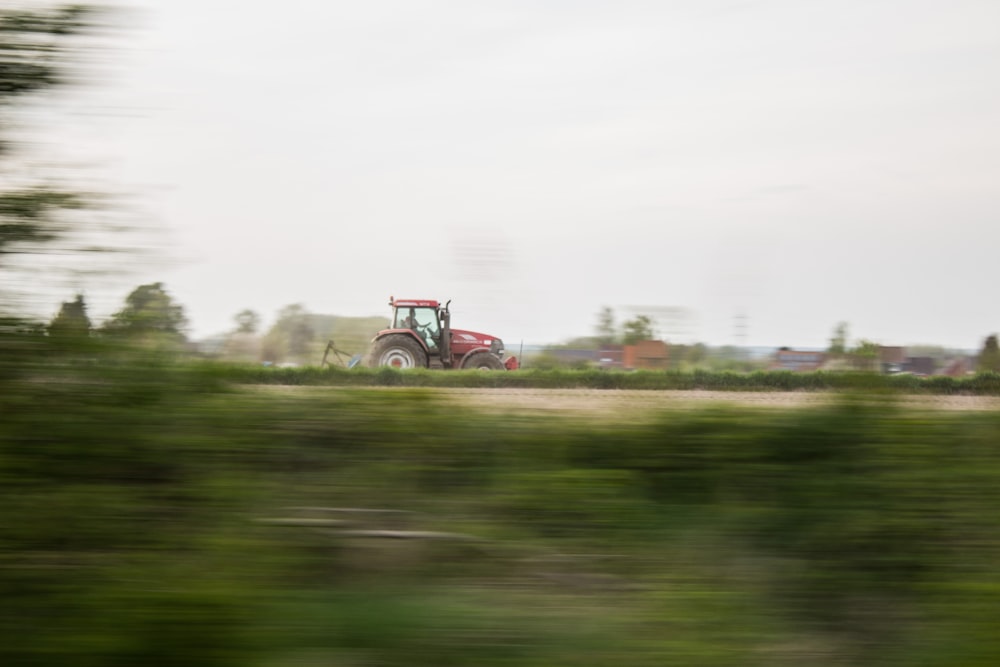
column 345, row 359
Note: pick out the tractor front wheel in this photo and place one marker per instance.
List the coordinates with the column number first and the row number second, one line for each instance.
column 398, row 351
column 483, row 361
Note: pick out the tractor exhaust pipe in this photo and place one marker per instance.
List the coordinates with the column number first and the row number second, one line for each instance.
column 446, row 335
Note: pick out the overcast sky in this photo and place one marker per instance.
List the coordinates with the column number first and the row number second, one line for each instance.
column 793, row 163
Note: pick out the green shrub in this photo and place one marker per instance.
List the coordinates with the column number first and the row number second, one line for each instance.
column 158, row 512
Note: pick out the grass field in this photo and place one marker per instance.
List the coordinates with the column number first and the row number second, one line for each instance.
column 611, row 404
column 161, row 514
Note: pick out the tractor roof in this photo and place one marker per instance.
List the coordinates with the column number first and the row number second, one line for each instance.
column 413, row 303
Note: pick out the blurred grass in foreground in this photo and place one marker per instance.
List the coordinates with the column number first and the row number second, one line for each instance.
column 151, row 515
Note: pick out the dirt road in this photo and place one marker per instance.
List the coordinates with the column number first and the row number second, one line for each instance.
column 604, row 402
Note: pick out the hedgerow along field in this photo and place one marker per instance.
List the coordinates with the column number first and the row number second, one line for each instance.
column 157, row 514
column 982, row 384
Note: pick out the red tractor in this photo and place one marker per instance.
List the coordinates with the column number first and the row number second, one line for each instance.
column 420, row 336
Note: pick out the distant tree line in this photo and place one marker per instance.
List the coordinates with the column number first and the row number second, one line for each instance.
column 631, row 331
column 150, row 315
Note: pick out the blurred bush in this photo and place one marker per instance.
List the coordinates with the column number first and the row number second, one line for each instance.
column 155, row 513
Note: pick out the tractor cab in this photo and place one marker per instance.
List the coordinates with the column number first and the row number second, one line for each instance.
column 422, row 317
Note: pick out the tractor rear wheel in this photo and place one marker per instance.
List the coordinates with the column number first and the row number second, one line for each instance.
column 398, row 351
column 483, row 361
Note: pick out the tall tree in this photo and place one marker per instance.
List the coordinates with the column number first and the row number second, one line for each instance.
column 838, row 342
column 72, row 320
column 605, row 327
column 36, row 49
column 638, row 328
column 290, row 335
column 149, row 309
column 247, row 322
column 33, row 57
column 989, row 356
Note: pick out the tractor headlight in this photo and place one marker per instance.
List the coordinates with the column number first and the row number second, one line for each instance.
column 496, row 347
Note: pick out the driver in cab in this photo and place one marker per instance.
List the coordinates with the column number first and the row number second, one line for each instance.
column 422, row 330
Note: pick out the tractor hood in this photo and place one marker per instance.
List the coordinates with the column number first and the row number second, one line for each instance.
column 472, row 338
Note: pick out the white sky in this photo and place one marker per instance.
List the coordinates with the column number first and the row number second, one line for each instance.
column 800, row 163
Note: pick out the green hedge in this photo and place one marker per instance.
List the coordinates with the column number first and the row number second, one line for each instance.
column 981, row 384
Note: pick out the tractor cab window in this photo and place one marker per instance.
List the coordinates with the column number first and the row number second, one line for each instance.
column 424, row 321
column 404, row 319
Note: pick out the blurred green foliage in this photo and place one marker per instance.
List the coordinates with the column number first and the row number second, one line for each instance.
column 984, row 384
column 34, row 56
column 989, row 356
column 149, row 313
column 154, row 512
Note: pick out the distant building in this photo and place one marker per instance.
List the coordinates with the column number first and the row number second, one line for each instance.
column 920, row 365
column 799, row 361
column 959, row 367
column 611, row 357
column 891, row 359
column 646, row 355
